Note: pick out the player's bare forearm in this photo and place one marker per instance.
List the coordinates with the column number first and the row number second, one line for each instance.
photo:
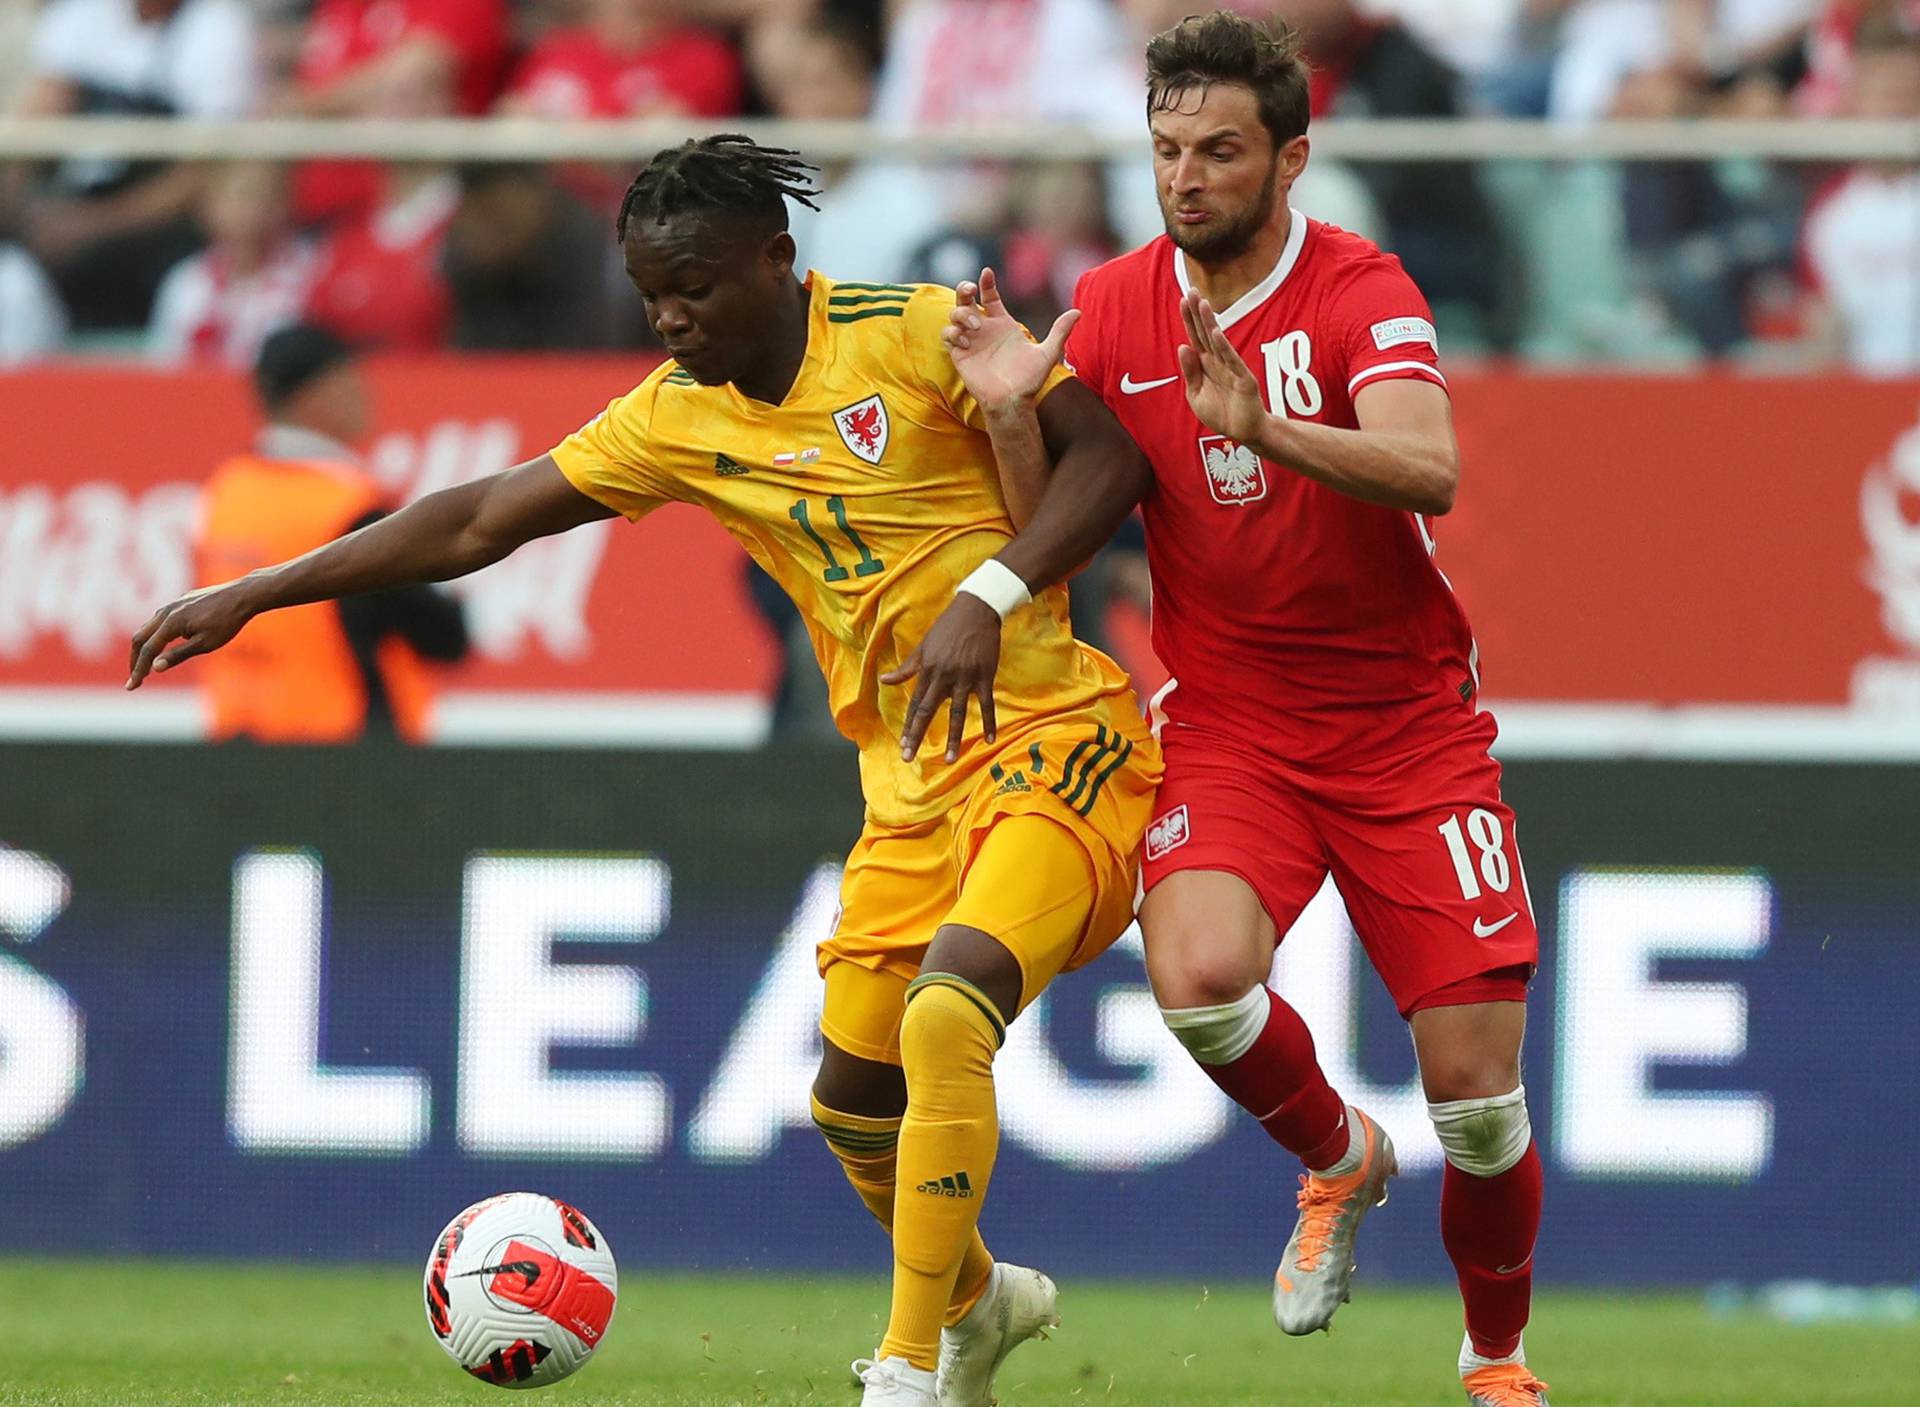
column 437, row 538
column 442, row 536
column 1099, row 475
column 1402, row 456
column 1020, row 451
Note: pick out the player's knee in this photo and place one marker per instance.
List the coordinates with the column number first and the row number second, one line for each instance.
column 1467, row 1074
column 1220, row 1033
column 1203, row 972
column 1199, row 957
column 1198, row 964
column 1485, row 1136
column 949, row 1024
column 866, row 1089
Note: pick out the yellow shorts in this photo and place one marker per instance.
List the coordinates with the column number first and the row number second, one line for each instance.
column 1056, row 893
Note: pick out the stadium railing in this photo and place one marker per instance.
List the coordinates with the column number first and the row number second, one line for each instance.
column 1359, row 141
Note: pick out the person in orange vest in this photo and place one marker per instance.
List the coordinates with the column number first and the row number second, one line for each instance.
column 331, row 672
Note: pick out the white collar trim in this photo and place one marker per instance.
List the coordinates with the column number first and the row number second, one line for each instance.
column 296, row 442
column 1261, row 291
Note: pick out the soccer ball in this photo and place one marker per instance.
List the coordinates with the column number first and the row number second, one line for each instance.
column 520, row 1289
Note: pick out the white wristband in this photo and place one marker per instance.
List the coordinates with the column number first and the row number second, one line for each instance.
column 994, row 582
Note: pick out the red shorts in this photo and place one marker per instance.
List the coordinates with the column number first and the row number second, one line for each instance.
column 1421, row 847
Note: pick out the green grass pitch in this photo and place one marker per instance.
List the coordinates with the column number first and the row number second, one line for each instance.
column 133, row 1333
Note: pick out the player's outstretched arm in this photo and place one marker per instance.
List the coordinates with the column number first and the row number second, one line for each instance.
column 1099, row 475
column 1402, row 456
column 1005, row 369
column 443, row 535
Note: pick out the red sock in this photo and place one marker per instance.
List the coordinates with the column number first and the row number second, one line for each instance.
column 1280, row 1083
column 1488, row 1225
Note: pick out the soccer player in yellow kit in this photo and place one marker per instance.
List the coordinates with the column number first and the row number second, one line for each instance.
column 826, row 427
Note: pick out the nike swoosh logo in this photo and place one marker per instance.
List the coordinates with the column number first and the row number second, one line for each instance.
column 1482, row 929
column 1130, row 387
column 528, row 1270
column 1511, row 1269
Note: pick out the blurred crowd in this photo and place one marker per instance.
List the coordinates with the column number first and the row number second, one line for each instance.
column 1639, row 262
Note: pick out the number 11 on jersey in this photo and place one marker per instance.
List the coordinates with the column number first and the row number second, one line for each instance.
column 868, row 563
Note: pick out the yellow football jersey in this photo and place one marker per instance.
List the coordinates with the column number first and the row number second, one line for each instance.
column 869, row 494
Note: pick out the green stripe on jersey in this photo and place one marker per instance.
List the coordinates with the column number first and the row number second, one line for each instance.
column 875, row 287
column 854, row 299
column 897, row 311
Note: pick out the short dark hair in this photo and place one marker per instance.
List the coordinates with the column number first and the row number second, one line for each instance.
column 1223, row 47
column 1886, row 34
column 726, row 174
column 294, row 356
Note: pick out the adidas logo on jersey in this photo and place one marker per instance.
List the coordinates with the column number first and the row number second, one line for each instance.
column 725, row 465
column 952, row 1185
column 1010, row 781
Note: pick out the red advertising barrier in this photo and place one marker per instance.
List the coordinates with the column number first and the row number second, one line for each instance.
column 1636, row 553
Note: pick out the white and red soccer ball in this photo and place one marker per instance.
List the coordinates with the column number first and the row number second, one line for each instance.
column 520, row 1289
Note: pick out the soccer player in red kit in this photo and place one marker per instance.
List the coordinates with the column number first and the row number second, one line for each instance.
column 1282, row 375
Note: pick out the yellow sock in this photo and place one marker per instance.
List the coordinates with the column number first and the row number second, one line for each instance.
column 865, row 1148
column 946, row 1151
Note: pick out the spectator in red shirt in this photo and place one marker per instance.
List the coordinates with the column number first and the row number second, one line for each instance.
column 356, row 51
column 378, row 282
column 633, row 58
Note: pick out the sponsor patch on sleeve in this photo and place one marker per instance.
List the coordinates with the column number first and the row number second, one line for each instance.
column 1397, row 332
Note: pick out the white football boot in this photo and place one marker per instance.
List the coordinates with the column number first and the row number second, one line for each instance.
column 1502, row 1382
column 1316, row 1274
column 893, row 1382
column 1018, row 1304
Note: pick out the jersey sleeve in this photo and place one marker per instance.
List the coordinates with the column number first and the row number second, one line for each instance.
column 1383, row 329
column 1083, row 345
column 927, row 354
column 608, row 458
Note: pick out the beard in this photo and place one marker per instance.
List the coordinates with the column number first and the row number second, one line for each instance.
column 1228, row 236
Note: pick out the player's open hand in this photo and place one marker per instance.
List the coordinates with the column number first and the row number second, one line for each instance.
column 200, row 621
column 955, row 663
column 1220, row 385
column 1000, row 364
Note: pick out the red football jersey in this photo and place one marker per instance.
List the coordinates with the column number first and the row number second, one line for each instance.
column 378, row 281
column 343, row 34
column 1291, row 616
column 688, row 71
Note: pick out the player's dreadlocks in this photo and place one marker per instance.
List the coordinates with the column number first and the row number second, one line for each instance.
column 727, row 173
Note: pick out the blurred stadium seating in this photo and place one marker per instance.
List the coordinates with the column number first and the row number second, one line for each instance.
column 1698, row 253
